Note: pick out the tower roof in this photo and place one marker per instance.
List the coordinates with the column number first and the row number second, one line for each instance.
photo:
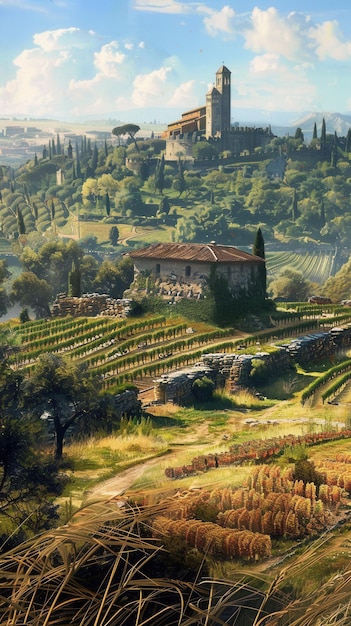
column 212, row 91
column 223, row 70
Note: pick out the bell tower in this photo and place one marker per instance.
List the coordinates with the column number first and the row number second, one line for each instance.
column 223, row 85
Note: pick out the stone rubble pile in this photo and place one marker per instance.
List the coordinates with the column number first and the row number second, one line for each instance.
column 90, row 305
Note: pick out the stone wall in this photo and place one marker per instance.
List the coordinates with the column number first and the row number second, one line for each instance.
column 232, row 371
column 90, row 305
column 127, row 403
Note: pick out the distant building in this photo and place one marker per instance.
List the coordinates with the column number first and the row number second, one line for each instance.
column 181, row 270
column 212, row 122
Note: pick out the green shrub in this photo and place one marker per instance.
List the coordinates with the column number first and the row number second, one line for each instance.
column 203, row 389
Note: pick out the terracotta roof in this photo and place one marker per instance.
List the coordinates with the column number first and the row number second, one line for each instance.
column 206, row 253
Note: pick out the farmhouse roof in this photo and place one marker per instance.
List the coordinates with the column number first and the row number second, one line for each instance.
column 202, row 252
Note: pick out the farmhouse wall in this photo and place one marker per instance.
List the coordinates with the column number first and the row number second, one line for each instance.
column 238, row 275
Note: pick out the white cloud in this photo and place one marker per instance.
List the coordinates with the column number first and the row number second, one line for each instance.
column 265, row 63
column 184, row 96
column 25, row 6
column 151, row 89
column 218, row 22
column 328, row 41
column 108, row 60
column 273, row 85
column 162, row 6
column 51, row 40
column 271, row 33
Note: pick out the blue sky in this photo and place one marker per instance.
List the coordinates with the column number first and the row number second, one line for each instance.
column 146, row 60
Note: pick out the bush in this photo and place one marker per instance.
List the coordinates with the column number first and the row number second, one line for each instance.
column 259, row 372
column 203, row 389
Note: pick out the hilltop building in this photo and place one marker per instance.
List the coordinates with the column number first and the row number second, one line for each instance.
column 212, row 122
column 181, row 270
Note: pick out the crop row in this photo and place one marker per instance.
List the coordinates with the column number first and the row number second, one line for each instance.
column 316, row 267
column 213, row 539
column 324, row 378
column 257, row 450
column 76, row 337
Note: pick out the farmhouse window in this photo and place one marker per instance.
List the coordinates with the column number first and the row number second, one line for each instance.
column 187, row 270
column 158, row 269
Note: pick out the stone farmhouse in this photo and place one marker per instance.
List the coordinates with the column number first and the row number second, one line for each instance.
column 181, row 270
column 212, row 122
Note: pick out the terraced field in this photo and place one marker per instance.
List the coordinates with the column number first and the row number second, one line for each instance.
column 316, row 266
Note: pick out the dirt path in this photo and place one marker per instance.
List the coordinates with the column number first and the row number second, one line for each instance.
column 117, row 485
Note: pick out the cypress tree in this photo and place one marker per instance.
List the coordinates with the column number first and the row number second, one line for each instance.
column 53, row 147
column 322, row 214
column 20, row 222
column 180, row 177
column 52, row 209
column 106, row 148
column 58, row 144
column 323, row 132
column 50, row 152
column 78, row 169
column 159, row 175
column 114, row 235
column 35, row 210
column 70, row 150
column 107, row 204
column 95, row 157
column 45, row 152
column 74, row 280
column 315, row 136
column 35, row 160
column 294, row 210
column 348, row 141
column 260, row 286
column 258, row 246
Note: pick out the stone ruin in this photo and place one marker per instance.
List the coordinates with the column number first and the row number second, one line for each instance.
column 90, row 305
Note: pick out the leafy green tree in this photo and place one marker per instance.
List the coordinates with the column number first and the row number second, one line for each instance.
column 127, row 129
column 203, row 150
column 179, row 182
column 64, row 390
column 164, row 206
column 113, row 235
column 24, row 316
column 290, row 285
column 29, row 290
column 114, row 278
column 299, row 135
column 29, row 480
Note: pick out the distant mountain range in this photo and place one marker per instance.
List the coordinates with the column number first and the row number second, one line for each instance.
column 283, row 123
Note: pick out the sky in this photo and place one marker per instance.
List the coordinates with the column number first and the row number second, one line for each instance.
column 147, row 61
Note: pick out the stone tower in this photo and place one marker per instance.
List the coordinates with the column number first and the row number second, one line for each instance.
column 224, row 87
column 213, row 113
column 218, row 116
